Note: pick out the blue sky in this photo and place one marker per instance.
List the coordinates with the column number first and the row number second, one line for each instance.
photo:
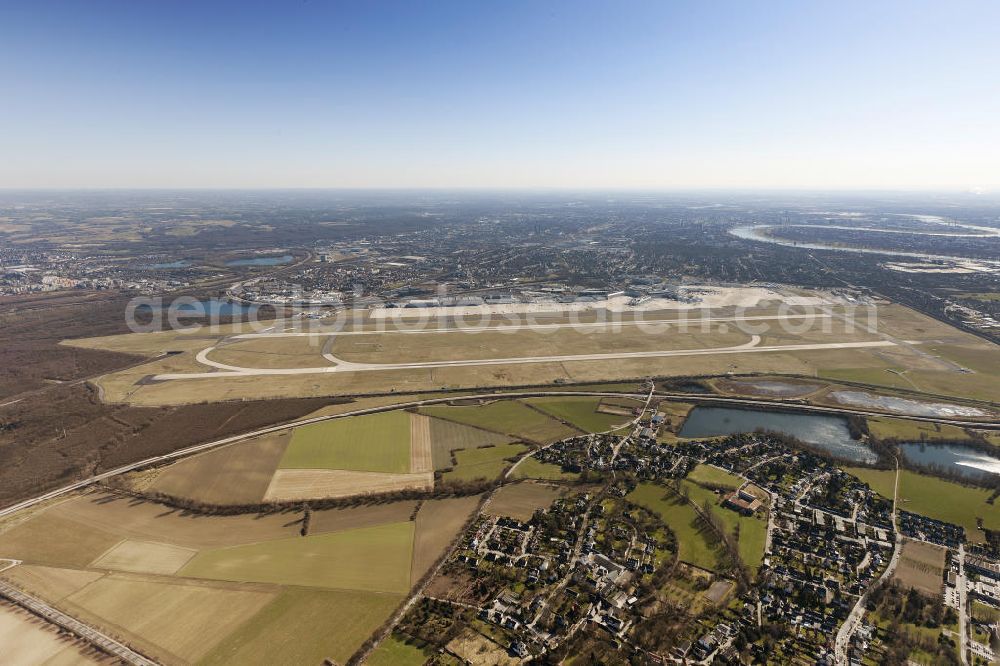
column 662, row 95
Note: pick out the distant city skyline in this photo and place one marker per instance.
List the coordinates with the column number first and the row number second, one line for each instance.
column 893, row 95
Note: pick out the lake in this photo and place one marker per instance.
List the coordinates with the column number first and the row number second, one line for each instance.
column 211, row 307
column 966, row 461
column 261, row 261
column 828, row 433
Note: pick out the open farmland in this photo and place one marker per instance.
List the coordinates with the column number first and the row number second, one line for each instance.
column 371, row 443
column 180, row 621
column 304, row 484
column 236, row 474
column 357, row 455
column 484, row 463
column 306, row 626
column 521, row 500
column 914, row 431
column 447, row 436
column 370, row 559
column 52, row 583
column 437, row 523
column 144, row 557
column 52, row 539
column 922, row 494
column 580, row 412
column 508, row 417
column 217, row 589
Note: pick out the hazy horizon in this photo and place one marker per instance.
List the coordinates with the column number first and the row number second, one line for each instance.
column 592, row 96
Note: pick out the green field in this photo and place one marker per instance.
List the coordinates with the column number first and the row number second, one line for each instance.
column 695, row 545
column 447, row 437
column 875, row 376
column 914, row 431
column 753, row 530
column 985, row 613
column 533, row 469
column 509, row 417
column 372, row 559
column 371, row 443
column 485, row 463
column 581, row 412
column 306, row 626
column 935, row 498
column 394, row 652
column 713, row 476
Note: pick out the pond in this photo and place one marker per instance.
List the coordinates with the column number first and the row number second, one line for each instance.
column 262, row 261
column 965, row 461
column 904, row 405
column 210, row 307
column 827, row 433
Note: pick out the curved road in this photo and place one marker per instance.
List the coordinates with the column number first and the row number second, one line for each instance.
column 680, row 397
column 750, row 347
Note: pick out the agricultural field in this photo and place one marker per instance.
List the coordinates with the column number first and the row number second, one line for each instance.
column 145, row 557
column 714, row 477
column 369, row 443
column 178, row 618
column 369, row 559
column 580, row 412
column 355, row 455
column 521, row 500
column 447, row 436
column 921, row 566
column 922, row 494
column 483, row 463
column 508, row 417
column 914, row 431
column 296, row 628
column 236, row 474
column 304, row 484
column 219, row 589
column 437, row 523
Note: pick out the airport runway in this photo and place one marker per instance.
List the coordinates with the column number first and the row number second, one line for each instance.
column 751, row 347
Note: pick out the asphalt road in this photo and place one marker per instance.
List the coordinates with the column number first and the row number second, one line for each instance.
column 681, row 397
column 74, row 626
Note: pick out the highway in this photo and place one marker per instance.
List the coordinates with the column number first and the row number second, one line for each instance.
column 680, row 397
column 107, row 643
column 75, row 627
